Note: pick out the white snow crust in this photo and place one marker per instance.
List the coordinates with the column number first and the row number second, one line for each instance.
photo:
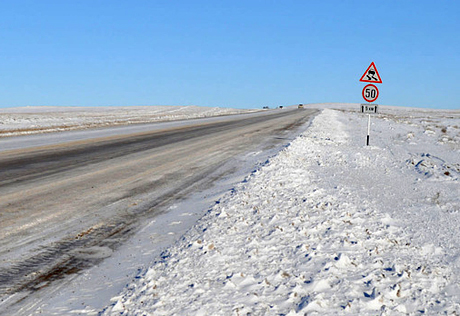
column 45, row 119
column 328, row 226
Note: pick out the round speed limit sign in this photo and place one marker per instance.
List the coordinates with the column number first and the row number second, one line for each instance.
column 370, row 93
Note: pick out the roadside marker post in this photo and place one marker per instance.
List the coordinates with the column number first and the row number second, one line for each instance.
column 368, row 130
column 369, row 109
column 370, row 93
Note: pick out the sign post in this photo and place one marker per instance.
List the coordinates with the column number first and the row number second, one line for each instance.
column 369, row 109
column 370, row 94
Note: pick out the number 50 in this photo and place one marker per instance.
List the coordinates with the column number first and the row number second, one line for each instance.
column 371, row 93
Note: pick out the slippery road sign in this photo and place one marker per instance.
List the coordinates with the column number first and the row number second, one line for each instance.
column 371, row 75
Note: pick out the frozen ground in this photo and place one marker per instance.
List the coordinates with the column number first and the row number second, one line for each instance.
column 328, row 226
column 44, row 119
column 70, row 202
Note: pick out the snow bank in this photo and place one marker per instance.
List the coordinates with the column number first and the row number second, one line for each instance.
column 34, row 120
column 328, row 226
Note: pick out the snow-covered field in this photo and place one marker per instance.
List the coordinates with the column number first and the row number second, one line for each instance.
column 328, row 226
column 44, row 119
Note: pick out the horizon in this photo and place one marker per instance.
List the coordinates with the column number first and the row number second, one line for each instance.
column 194, row 105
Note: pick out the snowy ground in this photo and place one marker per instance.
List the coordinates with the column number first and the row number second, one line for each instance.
column 328, row 226
column 44, row 119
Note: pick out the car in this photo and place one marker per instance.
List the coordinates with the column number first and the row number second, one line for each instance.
column 265, row 107
column 300, row 106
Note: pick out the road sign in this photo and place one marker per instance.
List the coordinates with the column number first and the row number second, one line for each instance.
column 370, row 93
column 371, row 75
column 369, row 108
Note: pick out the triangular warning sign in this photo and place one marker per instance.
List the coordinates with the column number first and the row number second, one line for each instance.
column 371, row 75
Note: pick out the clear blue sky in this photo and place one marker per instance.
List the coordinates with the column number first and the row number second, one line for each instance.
column 227, row 53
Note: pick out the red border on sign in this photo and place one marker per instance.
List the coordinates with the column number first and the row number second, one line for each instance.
column 376, row 72
column 371, row 100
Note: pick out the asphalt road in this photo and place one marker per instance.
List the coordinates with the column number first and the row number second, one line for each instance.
column 59, row 202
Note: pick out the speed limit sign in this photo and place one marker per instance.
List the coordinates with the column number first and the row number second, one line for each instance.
column 370, row 93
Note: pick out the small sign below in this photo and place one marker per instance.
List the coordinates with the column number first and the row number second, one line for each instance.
column 371, row 75
column 369, row 108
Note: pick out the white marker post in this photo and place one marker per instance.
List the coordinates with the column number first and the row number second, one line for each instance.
column 369, row 109
column 368, row 130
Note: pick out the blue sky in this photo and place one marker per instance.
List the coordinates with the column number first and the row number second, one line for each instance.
column 244, row 54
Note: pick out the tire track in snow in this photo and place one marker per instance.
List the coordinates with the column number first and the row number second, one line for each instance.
column 82, row 202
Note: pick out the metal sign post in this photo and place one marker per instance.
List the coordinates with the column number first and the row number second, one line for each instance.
column 368, row 130
column 369, row 109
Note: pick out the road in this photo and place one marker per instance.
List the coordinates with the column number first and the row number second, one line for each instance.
column 59, row 202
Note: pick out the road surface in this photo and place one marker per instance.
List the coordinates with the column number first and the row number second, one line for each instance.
column 64, row 203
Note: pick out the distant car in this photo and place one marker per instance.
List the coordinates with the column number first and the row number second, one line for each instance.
column 265, row 107
column 300, row 106
column 280, row 107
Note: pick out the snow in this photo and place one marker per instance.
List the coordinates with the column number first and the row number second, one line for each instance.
column 327, row 226
column 45, row 119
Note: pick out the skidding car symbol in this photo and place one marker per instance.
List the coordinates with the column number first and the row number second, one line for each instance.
column 370, row 75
